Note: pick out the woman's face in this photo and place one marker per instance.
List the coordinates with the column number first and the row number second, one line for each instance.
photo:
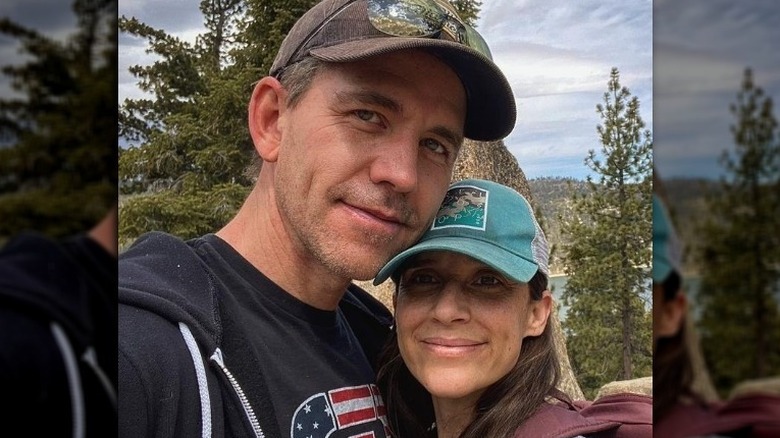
column 461, row 323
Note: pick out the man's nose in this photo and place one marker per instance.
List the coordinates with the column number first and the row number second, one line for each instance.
column 396, row 164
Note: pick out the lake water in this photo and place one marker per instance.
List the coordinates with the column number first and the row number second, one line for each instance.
column 558, row 285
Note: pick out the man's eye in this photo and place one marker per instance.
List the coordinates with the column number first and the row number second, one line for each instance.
column 367, row 116
column 434, row 146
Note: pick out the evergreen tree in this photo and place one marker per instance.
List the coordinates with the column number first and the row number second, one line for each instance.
column 608, row 250
column 468, row 10
column 58, row 131
column 738, row 249
column 184, row 171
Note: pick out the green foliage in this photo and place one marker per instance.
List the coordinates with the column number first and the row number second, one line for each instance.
column 190, row 143
column 608, row 251
column 468, row 10
column 58, row 152
column 190, row 215
column 553, row 197
column 738, row 249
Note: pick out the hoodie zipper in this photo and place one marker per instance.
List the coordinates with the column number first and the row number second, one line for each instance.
column 250, row 413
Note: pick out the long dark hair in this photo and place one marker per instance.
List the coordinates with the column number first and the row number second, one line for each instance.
column 501, row 409
column 672, row 369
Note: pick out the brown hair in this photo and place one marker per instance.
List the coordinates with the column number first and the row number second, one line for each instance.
column 672, row 369
column 672, row 365
column 501, row 409
column 296, row 79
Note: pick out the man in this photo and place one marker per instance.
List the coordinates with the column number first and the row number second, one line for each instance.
column 58, row 333
column 256, row 330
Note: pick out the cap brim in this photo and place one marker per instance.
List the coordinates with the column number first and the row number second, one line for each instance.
column 508, row 263
column 661, row 270
column 491, row 110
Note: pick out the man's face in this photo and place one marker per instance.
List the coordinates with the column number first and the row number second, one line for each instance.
column 366, row 157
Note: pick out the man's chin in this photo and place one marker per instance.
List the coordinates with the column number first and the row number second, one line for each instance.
column 360, row 262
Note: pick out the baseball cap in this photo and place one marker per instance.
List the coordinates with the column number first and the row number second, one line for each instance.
column 667, row 251
column 488, row 222
column 349, row 30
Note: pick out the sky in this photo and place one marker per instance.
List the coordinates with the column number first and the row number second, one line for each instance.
column 684, row 60
column 701, row 49
column 557, row 55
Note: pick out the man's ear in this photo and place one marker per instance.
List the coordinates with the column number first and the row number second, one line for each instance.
column 265, row 110
column 539, row 314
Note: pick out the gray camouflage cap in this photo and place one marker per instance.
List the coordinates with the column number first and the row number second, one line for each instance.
column 341, row 31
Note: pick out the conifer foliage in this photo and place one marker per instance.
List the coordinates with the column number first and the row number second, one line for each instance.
column 738, row 247
column 58, row 126
column 608, row 250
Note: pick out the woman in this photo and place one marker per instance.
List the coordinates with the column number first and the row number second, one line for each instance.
column 686, row 404
column 472, row 353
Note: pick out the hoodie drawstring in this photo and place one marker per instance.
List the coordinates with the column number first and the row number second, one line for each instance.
column 200, row 373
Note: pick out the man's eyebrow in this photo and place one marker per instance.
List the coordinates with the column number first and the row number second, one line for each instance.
column 369, row 98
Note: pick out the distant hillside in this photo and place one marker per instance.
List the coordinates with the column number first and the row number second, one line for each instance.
column 686, row 202
column 685, row 198
column 551, row 200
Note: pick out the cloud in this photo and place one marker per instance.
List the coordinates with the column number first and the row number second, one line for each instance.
column 557, row 56
column 178, row 17
column 701, row 50
column 181, row 18
column 51, row 18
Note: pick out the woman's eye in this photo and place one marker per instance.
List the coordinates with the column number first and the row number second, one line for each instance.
column 434, row 146
column 488, row 280
column 422, row 279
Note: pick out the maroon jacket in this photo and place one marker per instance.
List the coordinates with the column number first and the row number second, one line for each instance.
column 749, row 416
column 614, row 416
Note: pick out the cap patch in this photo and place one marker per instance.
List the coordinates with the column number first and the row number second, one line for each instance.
column 463, row 206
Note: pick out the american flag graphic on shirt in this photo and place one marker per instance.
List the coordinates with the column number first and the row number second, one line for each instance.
column 350, row 412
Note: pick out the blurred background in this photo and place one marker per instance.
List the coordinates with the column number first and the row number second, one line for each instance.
column 58, row 119
column 717, row 153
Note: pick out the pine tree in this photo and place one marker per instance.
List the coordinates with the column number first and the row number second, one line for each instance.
column 608, row 250
column 58, row 131
column 184, row 171
column 738, row 249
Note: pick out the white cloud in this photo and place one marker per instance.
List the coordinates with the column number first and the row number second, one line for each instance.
column 701, row 50
column 181, row 18
column 557, row 56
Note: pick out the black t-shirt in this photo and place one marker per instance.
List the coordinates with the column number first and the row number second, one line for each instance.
column 320, row 381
